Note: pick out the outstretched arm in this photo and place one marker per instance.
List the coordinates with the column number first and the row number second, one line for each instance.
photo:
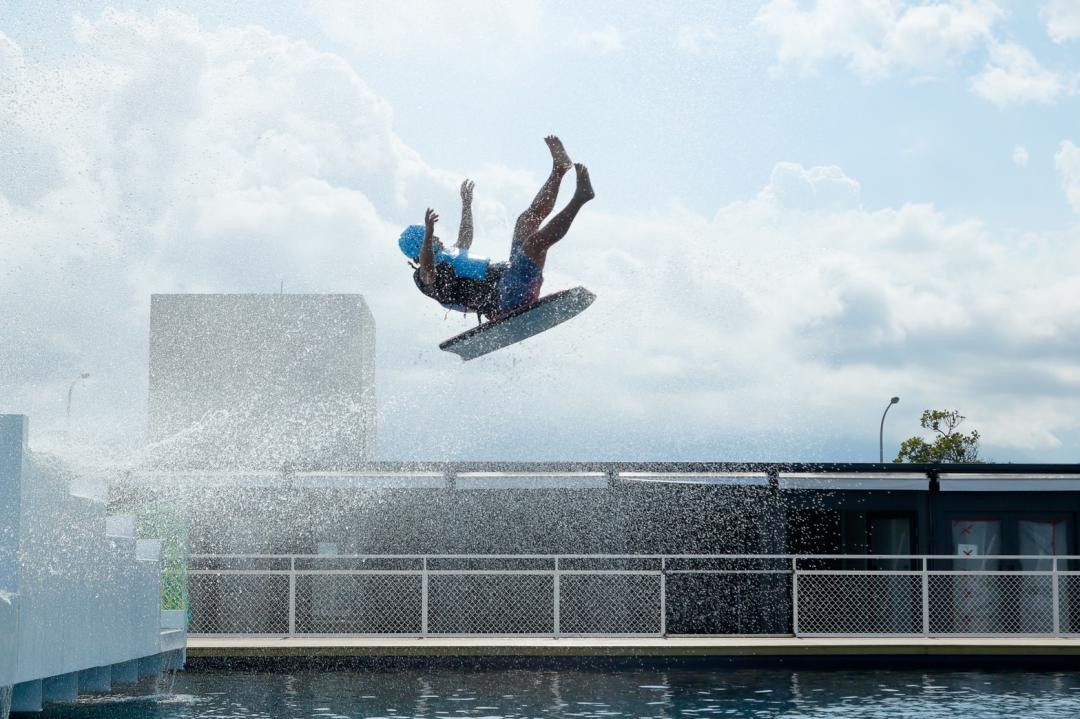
column 427, row 250
column 465, row 232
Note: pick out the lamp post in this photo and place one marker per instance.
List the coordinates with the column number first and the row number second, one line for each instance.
column 67, row 414
column 881, row 431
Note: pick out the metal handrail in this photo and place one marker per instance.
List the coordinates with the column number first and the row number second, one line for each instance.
column 921, row 570
column 636, row 556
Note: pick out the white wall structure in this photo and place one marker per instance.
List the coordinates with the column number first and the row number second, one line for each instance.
column 261, row 381
column 80, row 596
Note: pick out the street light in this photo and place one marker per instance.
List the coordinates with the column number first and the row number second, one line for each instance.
column 67, row 414
column 881, row 431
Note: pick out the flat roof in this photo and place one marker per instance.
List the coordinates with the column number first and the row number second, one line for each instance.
column 601, row 475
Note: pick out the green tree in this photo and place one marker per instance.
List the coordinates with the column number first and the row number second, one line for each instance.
column 949, row 445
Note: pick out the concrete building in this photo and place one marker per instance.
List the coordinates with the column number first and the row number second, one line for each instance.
column 80, row 596
column 247, row 382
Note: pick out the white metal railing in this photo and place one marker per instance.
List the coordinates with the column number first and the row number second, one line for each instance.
column 419, row 595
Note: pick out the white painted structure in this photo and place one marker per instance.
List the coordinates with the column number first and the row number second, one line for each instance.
column 260, row 381
column 80, row 596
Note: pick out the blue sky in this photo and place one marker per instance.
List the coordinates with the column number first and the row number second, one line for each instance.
column 804, row 208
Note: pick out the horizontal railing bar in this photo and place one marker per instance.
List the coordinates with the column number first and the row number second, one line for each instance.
column 993, row 635
column 802, row 572
column 990, row 572
column 627, row 635
column 652, row 572
column 347, row 635
column 550, row 572
column 238, row 635
column 865, row 572
column 321, row 572
column 286, row 572
column 262, row 572
column 513, row 635
column 729, row 571
column 841, row 635
column 419, row 572
column 332, row 557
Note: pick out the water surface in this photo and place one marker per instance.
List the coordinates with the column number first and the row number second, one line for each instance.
column 520, row 693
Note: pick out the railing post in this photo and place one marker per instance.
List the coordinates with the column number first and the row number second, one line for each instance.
column 925, row 598
column 663, row 596
column 1056, row 598
column 424, row 597
column 556, row 606
column 795, row 596
column 292, row 596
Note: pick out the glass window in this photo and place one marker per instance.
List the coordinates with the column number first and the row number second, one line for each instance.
column 891, row 535
column 1042, row 537
column 974, row 538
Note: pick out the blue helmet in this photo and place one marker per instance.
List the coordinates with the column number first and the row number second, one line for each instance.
column 411, row 240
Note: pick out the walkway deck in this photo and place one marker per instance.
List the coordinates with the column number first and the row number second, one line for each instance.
column 676, row 648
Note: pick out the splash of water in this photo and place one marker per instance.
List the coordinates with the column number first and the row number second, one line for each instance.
column 243, row 436
column 165, row 682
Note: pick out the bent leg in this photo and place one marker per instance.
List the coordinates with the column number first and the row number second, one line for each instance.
column 536, row 245
column 544, row 202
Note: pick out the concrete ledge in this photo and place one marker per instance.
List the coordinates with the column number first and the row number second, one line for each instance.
column 97, row 680
column 125, row 672
column 61, row 688
column 26, row 697
column 701, row 648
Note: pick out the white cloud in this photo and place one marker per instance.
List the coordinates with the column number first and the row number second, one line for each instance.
column 795, row 187
column 1013, row 76
column 701, row 39
column 1020, row 156
column 928, row 37
column 1062, row 19
column 398, row 26
column 876, row 38
column 604, row 41
column 1067, row 162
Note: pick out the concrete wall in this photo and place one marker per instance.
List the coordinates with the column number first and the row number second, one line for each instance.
column 261, row 381
column 13, row 440
column 79, row 591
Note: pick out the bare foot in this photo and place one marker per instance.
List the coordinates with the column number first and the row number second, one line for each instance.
column 558, row 154
column 584, row 191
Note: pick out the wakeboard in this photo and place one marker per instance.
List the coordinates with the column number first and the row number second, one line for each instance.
column 520, row 324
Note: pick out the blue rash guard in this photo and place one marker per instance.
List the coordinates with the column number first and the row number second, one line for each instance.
column 471, row 268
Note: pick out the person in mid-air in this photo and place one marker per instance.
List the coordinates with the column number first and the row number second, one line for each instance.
column 471, row 284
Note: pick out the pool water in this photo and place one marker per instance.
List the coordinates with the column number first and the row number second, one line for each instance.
column 599, row 694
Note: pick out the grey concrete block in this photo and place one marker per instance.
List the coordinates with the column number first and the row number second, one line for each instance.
column 26, row 697
column 96, row 680
column 125, row 672
column 151, row 666
column 62, row 688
